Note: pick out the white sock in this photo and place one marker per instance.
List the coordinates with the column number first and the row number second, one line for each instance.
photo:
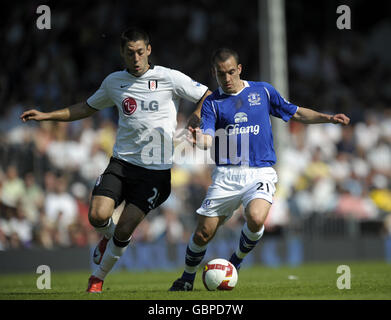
column 254, row 236
column 107, row 230
column 112, row 254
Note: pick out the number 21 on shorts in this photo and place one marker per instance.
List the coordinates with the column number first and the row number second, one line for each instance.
column 263, row 186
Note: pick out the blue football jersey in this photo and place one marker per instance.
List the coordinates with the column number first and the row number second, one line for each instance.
column 241, row 126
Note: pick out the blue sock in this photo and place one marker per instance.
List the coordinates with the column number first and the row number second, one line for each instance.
column 189, row 277
column 235, row 260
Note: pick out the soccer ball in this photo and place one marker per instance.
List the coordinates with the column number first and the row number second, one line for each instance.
column 219, row 274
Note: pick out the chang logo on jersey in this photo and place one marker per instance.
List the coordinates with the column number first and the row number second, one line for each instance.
column 129, row 106
column 254, row 99
column 233, row 129
column 240, row 117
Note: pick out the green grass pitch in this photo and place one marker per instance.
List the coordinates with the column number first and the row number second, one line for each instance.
column 315, row 281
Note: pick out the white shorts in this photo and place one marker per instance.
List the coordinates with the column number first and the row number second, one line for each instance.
column 236, row 185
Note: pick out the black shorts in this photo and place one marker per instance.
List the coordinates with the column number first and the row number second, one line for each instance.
column 147, row 189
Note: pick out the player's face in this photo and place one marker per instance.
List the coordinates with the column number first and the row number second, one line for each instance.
column 135, row 55
column 227, row 74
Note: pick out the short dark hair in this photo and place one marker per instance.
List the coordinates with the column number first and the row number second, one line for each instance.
column 222, row 54
column 134, row 34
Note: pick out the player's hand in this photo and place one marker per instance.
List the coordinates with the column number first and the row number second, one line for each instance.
column 197, row 138
column 340, row 118
column 194, row 121
column 33, row 115
column 191, row 136
column 195, row 135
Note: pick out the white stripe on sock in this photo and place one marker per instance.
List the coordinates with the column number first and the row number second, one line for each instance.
column 253, row 236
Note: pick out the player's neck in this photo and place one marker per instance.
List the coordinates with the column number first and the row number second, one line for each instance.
column 239, row 88
column 140, row 74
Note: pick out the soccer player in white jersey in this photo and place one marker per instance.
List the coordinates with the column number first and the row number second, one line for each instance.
column 236, row 119
column 147, row 99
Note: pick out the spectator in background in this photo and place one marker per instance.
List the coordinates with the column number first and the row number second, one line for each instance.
column 5, row 230
column 379, row 157
column 96, row 164
column 355, row 205
column 61, row 209
column 3, row 240
column 43, row 231
column 367, row 133
column 33, row 198
column 21, row 227
column 13, row 187
column 82, row 231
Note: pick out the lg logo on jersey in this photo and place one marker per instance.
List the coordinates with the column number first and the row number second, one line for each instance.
column 129, row 106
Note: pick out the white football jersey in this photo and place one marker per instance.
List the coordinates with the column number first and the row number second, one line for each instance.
column 147, row 108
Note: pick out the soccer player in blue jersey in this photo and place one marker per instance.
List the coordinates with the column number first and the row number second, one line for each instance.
column 235, row 120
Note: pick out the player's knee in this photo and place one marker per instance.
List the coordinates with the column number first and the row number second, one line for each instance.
column 255, row 222
column 202, row 237
column 98, row 216
column 101, row 210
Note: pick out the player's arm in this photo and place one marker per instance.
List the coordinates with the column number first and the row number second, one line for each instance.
column 75, row 112
column 309, row 116
column 195, row 117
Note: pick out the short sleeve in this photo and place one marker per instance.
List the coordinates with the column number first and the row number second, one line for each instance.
column 186, row 88
column 100, row 99
column 208, row 118
column 279, row 107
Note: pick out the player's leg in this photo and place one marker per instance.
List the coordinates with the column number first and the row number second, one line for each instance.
column 258, row 191
column 143, row 190
column 256, row 213
column 221, row 200
column 99, row 215
column 127, row 223
column 106, row 196
column 196, row 249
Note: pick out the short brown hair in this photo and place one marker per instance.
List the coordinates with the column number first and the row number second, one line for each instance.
column 222, row 54
column 134, row 34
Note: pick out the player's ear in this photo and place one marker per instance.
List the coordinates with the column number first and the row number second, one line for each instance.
column 239, row 68
column 149, row 49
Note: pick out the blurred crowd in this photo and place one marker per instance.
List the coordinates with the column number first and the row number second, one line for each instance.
column 48, row 170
